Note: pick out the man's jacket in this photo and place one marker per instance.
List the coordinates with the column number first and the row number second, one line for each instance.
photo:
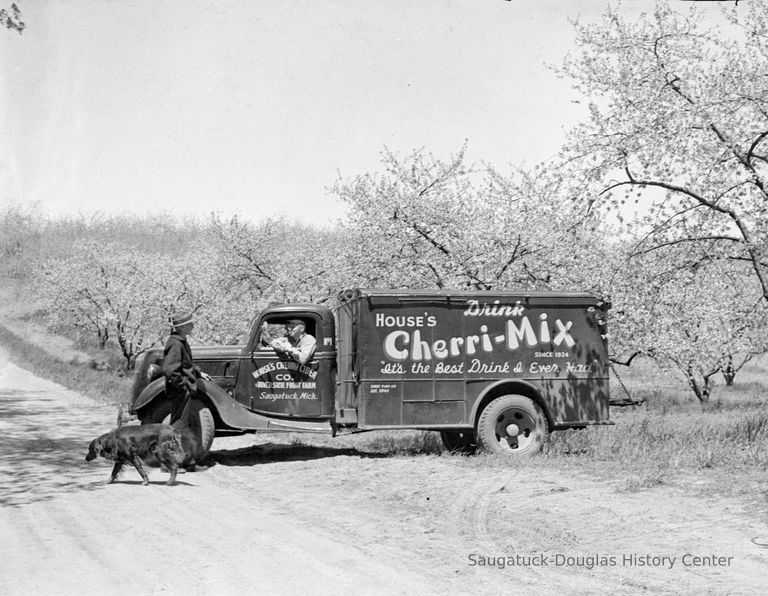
column 179, row 369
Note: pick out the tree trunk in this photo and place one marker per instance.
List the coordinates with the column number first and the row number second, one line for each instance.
column 128, row 351
column 702, row 390
column 729, row 372
column 103, row 335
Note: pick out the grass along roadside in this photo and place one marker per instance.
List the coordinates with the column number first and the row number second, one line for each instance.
column 105, row 386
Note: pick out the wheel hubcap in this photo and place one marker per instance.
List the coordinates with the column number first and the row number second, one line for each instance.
column 515, row 430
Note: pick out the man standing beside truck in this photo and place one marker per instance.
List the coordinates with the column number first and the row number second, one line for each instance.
column 181, row 376
column 178, row 367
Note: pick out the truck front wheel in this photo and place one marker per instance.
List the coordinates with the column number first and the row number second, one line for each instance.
column 512, row 425
column 159, row 411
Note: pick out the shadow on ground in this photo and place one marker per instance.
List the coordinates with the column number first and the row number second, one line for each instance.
column 280, row 452
column 39, row 468
column 43, row 442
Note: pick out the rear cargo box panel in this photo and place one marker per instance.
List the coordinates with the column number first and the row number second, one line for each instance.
column 417, row 353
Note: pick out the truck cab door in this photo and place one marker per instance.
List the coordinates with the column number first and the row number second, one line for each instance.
column 273, row 383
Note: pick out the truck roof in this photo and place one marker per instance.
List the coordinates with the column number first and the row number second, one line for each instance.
column 525, row 296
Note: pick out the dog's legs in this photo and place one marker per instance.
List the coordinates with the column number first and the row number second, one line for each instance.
column 172, row 479
column 140, row 468
column 116, row 470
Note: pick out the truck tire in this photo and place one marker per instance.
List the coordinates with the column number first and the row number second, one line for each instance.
column 159, row 410
column 512, row 425
column 459, row 441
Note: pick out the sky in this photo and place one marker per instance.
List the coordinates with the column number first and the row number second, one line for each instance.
column 257, row 108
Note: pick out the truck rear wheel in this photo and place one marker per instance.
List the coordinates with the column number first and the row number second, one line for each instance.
column 512, row 425
column 159, row 410
column 459, row 441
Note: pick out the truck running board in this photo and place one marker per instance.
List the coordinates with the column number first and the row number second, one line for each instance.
column 237, row 417
column 295, row 426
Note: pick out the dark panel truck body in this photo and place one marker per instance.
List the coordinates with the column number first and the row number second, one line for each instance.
column 494, row 369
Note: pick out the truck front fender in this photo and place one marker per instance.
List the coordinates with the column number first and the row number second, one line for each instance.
column 225, row 409
column 231, row 412
column 148, row 394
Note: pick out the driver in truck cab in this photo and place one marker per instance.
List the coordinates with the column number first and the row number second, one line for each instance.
column 297, row 343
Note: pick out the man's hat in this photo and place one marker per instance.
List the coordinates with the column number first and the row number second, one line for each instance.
column 296, row 322
column 181, row 317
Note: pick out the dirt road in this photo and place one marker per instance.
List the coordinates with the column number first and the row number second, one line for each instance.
column 333, row 517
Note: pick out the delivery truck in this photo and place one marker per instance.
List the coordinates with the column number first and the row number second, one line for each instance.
column 496, row 371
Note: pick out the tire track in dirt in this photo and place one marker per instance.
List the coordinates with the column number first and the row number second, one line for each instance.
column 577, row 519
column 658, row 522
column 489, row 528
column 470, row 517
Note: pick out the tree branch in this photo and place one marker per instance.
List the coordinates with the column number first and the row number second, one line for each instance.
column 755, row 143
column 626, row 362
column 682, row 240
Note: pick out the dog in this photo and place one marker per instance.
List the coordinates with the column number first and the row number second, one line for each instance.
column 136, row 443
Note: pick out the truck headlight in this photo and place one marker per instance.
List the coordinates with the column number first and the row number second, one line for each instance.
column 154, row 372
